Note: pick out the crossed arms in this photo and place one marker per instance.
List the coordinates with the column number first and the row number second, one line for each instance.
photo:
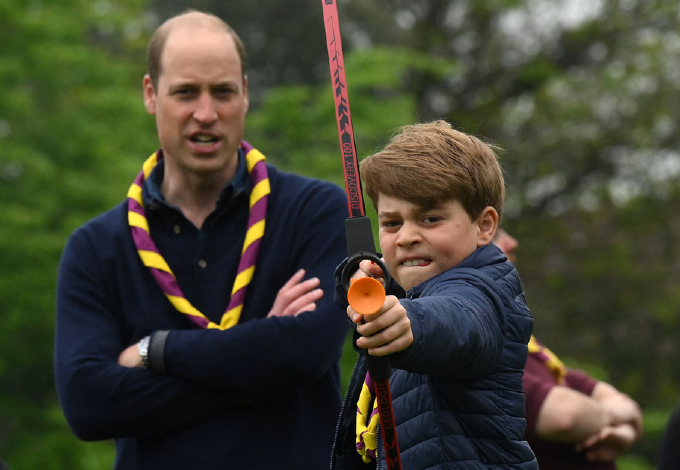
column 602, row 425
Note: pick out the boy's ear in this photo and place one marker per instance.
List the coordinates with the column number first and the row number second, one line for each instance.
column 487, row 223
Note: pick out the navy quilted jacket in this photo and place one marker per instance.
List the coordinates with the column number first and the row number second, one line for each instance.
column 457, row 390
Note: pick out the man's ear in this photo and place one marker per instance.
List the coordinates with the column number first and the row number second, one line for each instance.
column 245, row 93
column 149, row 95
column 487, row 224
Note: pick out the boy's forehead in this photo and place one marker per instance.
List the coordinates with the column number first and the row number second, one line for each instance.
column 391, row 205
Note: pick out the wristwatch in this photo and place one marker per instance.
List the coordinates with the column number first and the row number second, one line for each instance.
column 143, row 348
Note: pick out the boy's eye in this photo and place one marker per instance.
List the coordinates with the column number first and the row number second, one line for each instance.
column 431, row 220
column 390, row 223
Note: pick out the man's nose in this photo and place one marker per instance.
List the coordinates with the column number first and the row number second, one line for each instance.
column 205, row 111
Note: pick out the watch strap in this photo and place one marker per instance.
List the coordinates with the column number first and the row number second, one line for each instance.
column 157, row 351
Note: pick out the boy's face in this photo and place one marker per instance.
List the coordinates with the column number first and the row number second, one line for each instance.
column 418, row 244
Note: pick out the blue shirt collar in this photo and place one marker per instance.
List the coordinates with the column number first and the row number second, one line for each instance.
column 239, row 183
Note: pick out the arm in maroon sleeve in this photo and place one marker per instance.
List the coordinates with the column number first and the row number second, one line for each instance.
column 556, row 412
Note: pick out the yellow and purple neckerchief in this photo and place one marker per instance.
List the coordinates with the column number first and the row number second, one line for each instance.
column 152, row 258
column 367, row 421
column 549, row 359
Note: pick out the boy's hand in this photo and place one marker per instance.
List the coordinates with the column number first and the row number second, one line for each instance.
column 385, row 332
column 368, row 268
column 296, row 296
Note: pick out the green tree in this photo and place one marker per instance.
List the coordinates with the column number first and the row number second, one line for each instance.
column 73, row 131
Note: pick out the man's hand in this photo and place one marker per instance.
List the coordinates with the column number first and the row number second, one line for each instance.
column 385, row 332
column 622, row 408
column 296, row 296
column 609, row 443
column 130, row 357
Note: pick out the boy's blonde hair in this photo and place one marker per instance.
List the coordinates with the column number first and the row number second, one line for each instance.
column 430, row 163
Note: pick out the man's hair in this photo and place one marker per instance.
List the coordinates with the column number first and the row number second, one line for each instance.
column 430, row 163
column 191, row 18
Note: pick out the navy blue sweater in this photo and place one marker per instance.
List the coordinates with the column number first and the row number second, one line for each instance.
column 263, row 394
column 457, row 389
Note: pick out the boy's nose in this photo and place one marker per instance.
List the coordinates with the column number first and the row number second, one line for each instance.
column 408, row 235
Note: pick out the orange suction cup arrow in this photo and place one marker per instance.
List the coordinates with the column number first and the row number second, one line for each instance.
column 366, row 295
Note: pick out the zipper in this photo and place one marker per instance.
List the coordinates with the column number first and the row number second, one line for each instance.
column 342, row 409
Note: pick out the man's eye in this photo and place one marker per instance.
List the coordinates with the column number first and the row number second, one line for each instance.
column 224, row 91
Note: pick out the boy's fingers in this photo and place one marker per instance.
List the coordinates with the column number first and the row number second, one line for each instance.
column 375, row 270
column 392, row 332
column 369, row 268
column 390, row 302
column 365, row 266
column 353, row 315
column 385, row 317
column 363, row 270
column 399, row 344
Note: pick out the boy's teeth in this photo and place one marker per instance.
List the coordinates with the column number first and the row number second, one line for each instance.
column 413, row 262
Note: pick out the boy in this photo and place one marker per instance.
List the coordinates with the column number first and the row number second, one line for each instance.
column 458, row 342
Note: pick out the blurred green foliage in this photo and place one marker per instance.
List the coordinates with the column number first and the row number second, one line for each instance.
column 71, row 120
column 586, row 111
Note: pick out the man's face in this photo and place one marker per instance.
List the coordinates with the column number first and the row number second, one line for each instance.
column 200, row 102
column 419, row 244
column 507, row 244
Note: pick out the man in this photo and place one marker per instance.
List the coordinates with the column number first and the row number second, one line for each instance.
column 153, row 345
column 573, row 421
column 669, row 453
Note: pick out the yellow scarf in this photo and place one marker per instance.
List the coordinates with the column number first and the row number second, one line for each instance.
column 367, row 421
column 549, row 359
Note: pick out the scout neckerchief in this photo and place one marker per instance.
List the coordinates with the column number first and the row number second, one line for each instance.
column 152, row 258
column 367, row 421
column 549, row 359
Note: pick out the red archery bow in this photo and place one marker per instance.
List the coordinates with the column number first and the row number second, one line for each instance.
column 360, row 243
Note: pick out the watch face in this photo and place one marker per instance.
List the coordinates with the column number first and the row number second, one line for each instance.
column 143, row 346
